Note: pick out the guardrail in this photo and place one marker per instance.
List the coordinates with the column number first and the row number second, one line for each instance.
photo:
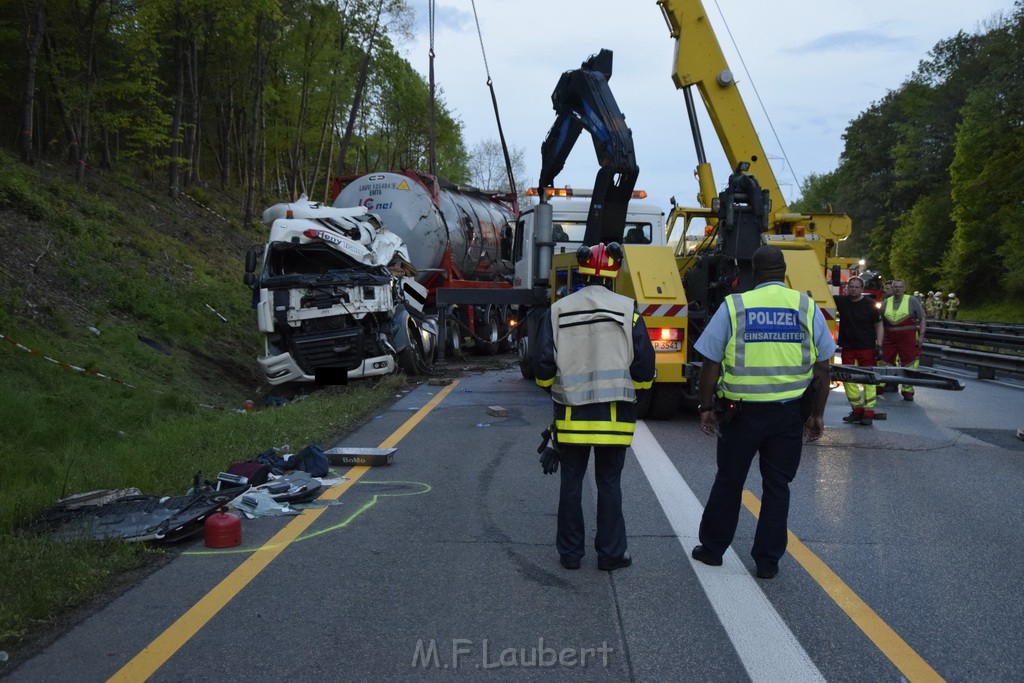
column 986, row 346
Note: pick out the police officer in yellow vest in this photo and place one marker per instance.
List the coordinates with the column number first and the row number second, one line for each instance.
column 593, row 353
column 761, row 349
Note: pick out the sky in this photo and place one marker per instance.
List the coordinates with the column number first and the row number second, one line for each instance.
column 805, row 70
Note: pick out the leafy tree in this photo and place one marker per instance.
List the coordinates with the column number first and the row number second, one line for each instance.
column 987, row 247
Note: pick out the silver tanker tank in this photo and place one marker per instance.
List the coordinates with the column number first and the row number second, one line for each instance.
column 465, row 219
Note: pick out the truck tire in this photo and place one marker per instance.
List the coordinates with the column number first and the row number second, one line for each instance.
column 489, row 333
column 413, row 359
column 663, row 400
column 523, row 353
column 453, row 336
column 507, row 343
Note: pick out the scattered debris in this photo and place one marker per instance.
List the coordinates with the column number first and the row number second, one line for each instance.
column 497, row 411
column 156, row 345
column 370, row 457
column 439, row 381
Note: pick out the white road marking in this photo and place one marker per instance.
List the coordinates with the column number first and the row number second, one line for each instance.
column 768, row 649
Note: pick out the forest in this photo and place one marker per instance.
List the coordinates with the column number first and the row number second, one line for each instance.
column 930, row 173
column 273, row 98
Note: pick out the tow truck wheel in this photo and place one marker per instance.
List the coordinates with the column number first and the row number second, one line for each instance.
column 663, row 401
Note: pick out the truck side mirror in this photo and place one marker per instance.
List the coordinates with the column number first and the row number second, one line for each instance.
column 249, row 279
column 836, row 278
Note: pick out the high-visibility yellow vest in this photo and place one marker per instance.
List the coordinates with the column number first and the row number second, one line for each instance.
column 898, row 317
column 771, row 352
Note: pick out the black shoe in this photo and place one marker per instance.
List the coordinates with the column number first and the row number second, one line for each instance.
column 907, row 396
column 853, row 417
column 767, row 571
column 702, row 554
column 612, row 565
column 569, row 562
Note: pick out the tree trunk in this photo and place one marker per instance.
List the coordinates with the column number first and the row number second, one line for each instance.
column 260, row 57
column 357, row 98
column 28, row 99
column 177, row 68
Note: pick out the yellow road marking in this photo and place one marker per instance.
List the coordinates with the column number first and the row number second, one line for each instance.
column 156, row 654
column 911, row 664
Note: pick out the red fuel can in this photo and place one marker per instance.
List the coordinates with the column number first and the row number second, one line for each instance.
column 222, row 530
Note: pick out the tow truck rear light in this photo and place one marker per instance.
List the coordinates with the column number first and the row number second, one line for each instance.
column 311, row 233
column 663, row 333
column 665, row 338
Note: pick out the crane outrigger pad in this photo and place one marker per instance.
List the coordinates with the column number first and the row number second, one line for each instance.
column 370, row 457
column 894, row 375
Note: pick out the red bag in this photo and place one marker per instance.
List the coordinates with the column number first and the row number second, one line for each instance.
column 257, row 473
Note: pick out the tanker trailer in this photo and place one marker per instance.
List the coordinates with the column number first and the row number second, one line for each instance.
column 332, row 298
column 457, row 236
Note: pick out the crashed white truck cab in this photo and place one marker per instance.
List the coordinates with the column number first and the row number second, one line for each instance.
column 331, row 297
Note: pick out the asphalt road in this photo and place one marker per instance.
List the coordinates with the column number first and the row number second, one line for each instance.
column 906, row 542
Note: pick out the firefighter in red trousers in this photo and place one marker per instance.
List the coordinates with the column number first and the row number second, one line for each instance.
column 904, row 324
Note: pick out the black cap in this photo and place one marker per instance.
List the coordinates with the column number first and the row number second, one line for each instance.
column 768, row 259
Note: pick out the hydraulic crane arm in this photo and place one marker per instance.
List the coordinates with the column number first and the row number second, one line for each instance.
column 582, row 100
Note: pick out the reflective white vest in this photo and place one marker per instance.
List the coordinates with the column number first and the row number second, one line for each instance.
column 593, row 335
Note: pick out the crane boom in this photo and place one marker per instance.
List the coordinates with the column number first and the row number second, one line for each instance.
column 699, row 62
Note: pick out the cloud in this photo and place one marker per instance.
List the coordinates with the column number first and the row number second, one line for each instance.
column 848, row 41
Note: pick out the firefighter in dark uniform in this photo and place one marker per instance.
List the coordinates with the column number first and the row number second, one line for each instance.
column 593, row 353
column 762, row 350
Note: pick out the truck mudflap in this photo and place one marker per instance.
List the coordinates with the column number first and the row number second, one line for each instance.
column 894, row 375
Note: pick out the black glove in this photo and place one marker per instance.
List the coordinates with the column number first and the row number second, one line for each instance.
column 878, row 352
column 549, row 460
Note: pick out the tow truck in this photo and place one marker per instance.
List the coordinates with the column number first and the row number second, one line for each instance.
column 751, row 210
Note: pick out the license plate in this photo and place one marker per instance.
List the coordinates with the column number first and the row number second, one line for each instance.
column 660, row 345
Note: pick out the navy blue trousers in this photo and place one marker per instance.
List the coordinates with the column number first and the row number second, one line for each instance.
column 610, row 540
column 775, row 432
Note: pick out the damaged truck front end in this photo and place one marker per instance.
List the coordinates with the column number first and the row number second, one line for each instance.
column 330, row 296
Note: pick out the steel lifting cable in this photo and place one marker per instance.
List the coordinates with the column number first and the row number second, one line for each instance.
column 431, row 10
column 771, row 125
column 514, row 196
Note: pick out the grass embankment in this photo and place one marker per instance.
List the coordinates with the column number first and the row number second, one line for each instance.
column 1006, row 312
column 127, row 262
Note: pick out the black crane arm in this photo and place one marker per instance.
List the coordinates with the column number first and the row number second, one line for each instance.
column 582, row 99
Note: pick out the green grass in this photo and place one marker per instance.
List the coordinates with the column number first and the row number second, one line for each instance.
column 1001, row 312
column 127, row 261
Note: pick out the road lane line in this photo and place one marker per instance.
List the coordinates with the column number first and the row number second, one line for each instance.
column 767, row 648
column 156, row 654
column 910, row 664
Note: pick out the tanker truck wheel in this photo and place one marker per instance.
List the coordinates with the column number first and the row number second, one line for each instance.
column 508, row 341
column 523, row 353
column 453, row 336
column 490, row 333
column 413, row 359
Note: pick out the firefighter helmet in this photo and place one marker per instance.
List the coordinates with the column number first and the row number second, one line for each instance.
column 952, row 295
column 600, row 261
